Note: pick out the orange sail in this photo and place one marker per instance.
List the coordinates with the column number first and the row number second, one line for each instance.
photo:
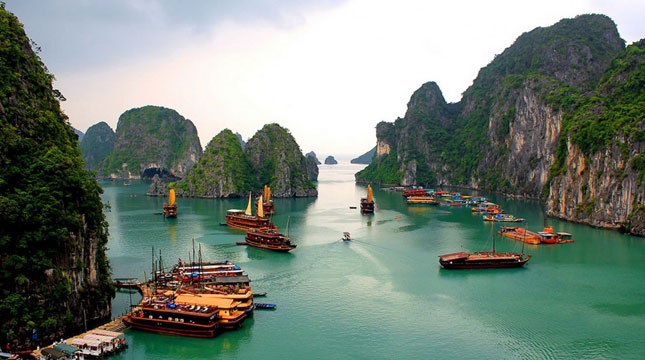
column 369, row 193
column 248, row 207
column 260, row 208
column 171, row 197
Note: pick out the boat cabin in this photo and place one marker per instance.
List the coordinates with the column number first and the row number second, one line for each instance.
column 88, row 347
column 71, row 351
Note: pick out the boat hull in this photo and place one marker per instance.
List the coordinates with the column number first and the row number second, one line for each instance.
column 482, row 265
column 152, row 326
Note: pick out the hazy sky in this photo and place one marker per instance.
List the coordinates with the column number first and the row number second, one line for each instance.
column 327, row 70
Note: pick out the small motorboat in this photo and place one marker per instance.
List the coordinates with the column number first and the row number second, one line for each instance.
column 346, row 236
column 265, row 306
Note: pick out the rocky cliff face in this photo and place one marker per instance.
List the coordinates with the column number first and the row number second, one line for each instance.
column 510, row 129
column 53, row 268
column 97, row 143
column 152, row 140
column 271, row 157
column 279, row 162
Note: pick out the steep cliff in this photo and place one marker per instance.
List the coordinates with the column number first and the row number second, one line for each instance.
column 271, row 157
column 365, row 158
column 97, row 143
column 506, row 133
column 597, row 177
column 222, row 171
column 53, row 268
column 278, row 161
column 152, row 140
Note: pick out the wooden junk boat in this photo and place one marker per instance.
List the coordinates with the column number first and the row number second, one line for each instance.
column 415, row 192
column 367, row 204
column 186, row 314
column 483, row 260
column 245, row 220
column 422, row 200
column 501, row 218
column 170, row 209
column 488, row 259
column 269, row 239
column 267, row 205
column 546, row 236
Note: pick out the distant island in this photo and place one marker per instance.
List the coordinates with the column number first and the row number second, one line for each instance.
column 329, row 160
column 365, row 158
column 271, row 157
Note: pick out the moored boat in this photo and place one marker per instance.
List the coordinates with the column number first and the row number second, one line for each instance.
column 422, row 200
column 483, row 260
column 415, row 192
column 245, row 220
column 170, row 209
column 269, row 239
column 521, row 234
column 367, row 204
column 501, row 218
column 267, row 204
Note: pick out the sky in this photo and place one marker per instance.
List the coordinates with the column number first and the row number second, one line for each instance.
column 327, row 70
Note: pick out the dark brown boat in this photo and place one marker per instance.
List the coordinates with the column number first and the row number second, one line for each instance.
column 489, row 259
column 166, row 317
column 367, row 204
column 482, row 260
column 170, row 209
column 245, row 220
column 269, row 239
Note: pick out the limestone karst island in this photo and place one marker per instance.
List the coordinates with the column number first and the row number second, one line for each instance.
column 348, row 179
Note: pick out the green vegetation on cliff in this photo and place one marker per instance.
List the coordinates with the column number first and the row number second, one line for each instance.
column 223, row 169
column 279, row 162
column 97, row 144
column 53, row 233
column 455, row 143
column 153, row 137
column 271, row 157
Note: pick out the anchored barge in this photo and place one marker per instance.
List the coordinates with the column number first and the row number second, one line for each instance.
column 483, row 260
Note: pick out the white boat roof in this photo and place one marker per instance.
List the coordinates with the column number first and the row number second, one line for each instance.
column 234, row 210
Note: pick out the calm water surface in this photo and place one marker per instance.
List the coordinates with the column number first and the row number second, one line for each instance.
column 384, row 295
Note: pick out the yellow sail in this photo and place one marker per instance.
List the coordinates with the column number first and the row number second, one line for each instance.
column 260, row 207
column 265, row 192
column 369, row 193
column 268, row 197
column 171, row 197
column 248, row 207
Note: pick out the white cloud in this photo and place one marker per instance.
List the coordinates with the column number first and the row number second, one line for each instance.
column 329, row 77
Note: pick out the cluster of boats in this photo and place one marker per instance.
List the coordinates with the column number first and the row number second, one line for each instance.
column 260, row 231
column 198, row 299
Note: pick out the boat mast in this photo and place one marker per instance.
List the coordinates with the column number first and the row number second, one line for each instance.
column 288, row 218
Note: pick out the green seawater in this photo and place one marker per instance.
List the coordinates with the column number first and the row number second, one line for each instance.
column 383, row 295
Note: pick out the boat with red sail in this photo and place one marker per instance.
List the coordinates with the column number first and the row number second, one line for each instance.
column 245, row 220
column 367, row 204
